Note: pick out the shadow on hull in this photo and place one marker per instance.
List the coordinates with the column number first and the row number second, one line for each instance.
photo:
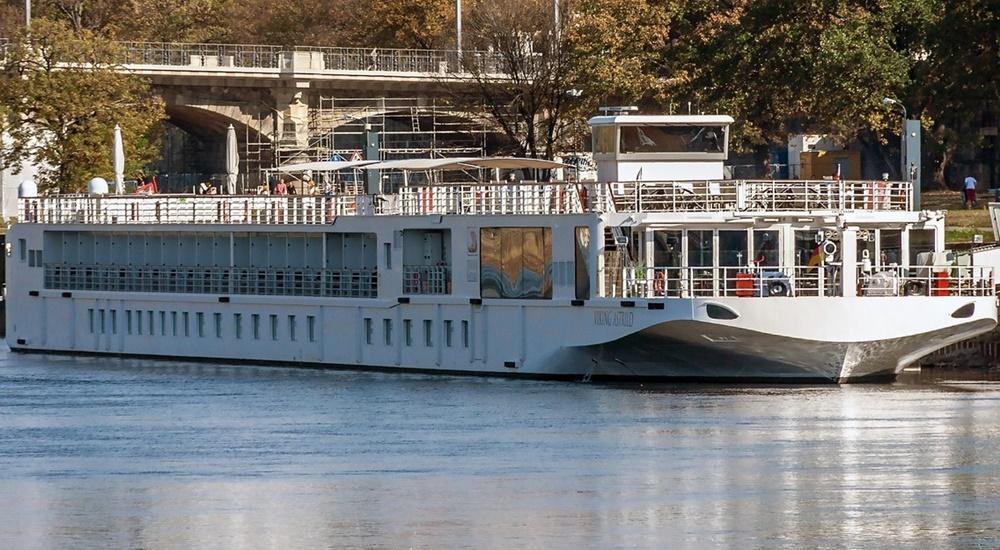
column 701, row 352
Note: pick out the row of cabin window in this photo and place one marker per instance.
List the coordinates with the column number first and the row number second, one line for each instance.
column 428, row 332
column 143, row 323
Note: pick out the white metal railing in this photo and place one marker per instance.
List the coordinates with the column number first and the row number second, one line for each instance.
column 742, row 282
column 928, row 281
column 426, row 279
column 527, row 198
column 517, row 199
column 187, row 209
column 756, row 196
column 322, row 59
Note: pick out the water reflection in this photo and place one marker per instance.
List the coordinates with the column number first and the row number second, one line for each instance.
column 148, row 454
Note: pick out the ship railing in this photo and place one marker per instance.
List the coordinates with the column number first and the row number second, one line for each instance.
column 194, row 209
column 527, row 198
column 795, row 281
column 943, row 280
column 426, row 279
column 743, row 282
column 756, row 196
column 288, row 281
column 513, row 199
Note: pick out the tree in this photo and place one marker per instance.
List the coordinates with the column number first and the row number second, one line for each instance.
column 144, row 20
column 787, row 66
column 955, row 86
column 524, row 81
column 64, row 94
column 406, row 23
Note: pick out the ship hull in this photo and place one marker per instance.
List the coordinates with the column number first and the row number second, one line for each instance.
column 781, row 339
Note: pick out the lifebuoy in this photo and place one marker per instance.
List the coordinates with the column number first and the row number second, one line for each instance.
column 914, row 288
column 777, row 288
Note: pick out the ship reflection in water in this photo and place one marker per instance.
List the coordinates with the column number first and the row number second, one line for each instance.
column 103, row 452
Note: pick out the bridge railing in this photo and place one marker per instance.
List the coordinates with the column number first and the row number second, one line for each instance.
column 315, row 58
column 201, row 55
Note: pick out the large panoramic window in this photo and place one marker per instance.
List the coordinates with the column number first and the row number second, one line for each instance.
column 672, row 139
column 516, row 262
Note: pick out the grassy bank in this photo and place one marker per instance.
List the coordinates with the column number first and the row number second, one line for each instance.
column 960, row 223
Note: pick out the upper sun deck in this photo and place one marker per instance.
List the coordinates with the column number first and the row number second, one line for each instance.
column 733, row 197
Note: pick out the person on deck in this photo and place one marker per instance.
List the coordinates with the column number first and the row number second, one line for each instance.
column 281, row 188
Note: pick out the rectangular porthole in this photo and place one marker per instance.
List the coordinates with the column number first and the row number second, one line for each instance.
column 465, row 334
column 408, row 332
column 311, row 327
column 238, row 325
column 274, row 327
column 173, row 322
column 368, row 331
column 200, row 321
column 291, row 328
column 90, row 315
column 387, row 331
column 150, row 315
column 163, row 323
column 218, row 324
column 102, row 315
column 428, row 338
column 447, row 333
column 255, row 325
column 138, row 316
column 187, row 325
column 128, row 320
column 114, row 321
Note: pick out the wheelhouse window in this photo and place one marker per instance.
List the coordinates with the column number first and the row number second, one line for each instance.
column 604, row 140
column 672, row 139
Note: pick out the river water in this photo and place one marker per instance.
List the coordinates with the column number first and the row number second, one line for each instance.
column 103, row 453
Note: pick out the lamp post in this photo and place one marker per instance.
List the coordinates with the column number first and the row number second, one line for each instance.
column 458, row 26
column 902, row 138
column 27, row 13
column 556, row 23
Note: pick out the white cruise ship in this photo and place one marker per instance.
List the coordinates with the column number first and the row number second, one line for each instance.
column 662, row 269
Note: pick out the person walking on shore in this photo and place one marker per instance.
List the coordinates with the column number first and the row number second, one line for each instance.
column 969, row 190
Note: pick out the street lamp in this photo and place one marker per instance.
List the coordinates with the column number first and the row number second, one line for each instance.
column 27, row 13
column 458, row 26
column 902, row 138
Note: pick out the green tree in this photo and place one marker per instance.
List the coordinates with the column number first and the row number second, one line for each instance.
column 64, row 94
column 956, row 83
column 787, row 66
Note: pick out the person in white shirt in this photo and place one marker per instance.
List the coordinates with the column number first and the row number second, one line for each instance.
column 969, row 192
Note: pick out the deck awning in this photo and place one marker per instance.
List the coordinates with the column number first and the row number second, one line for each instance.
column 466, row 163
column 323, row 166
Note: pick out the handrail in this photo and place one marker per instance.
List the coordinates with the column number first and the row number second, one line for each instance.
column 765, row 282
column 736, row 197
column 331, row 58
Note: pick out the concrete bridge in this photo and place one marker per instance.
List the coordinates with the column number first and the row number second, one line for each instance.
column 285, row 98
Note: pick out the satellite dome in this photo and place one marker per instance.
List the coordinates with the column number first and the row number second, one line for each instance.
column 26, row 189
column 97, row 186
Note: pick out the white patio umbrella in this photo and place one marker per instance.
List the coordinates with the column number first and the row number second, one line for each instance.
column 232, row 160
column 119, row 161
